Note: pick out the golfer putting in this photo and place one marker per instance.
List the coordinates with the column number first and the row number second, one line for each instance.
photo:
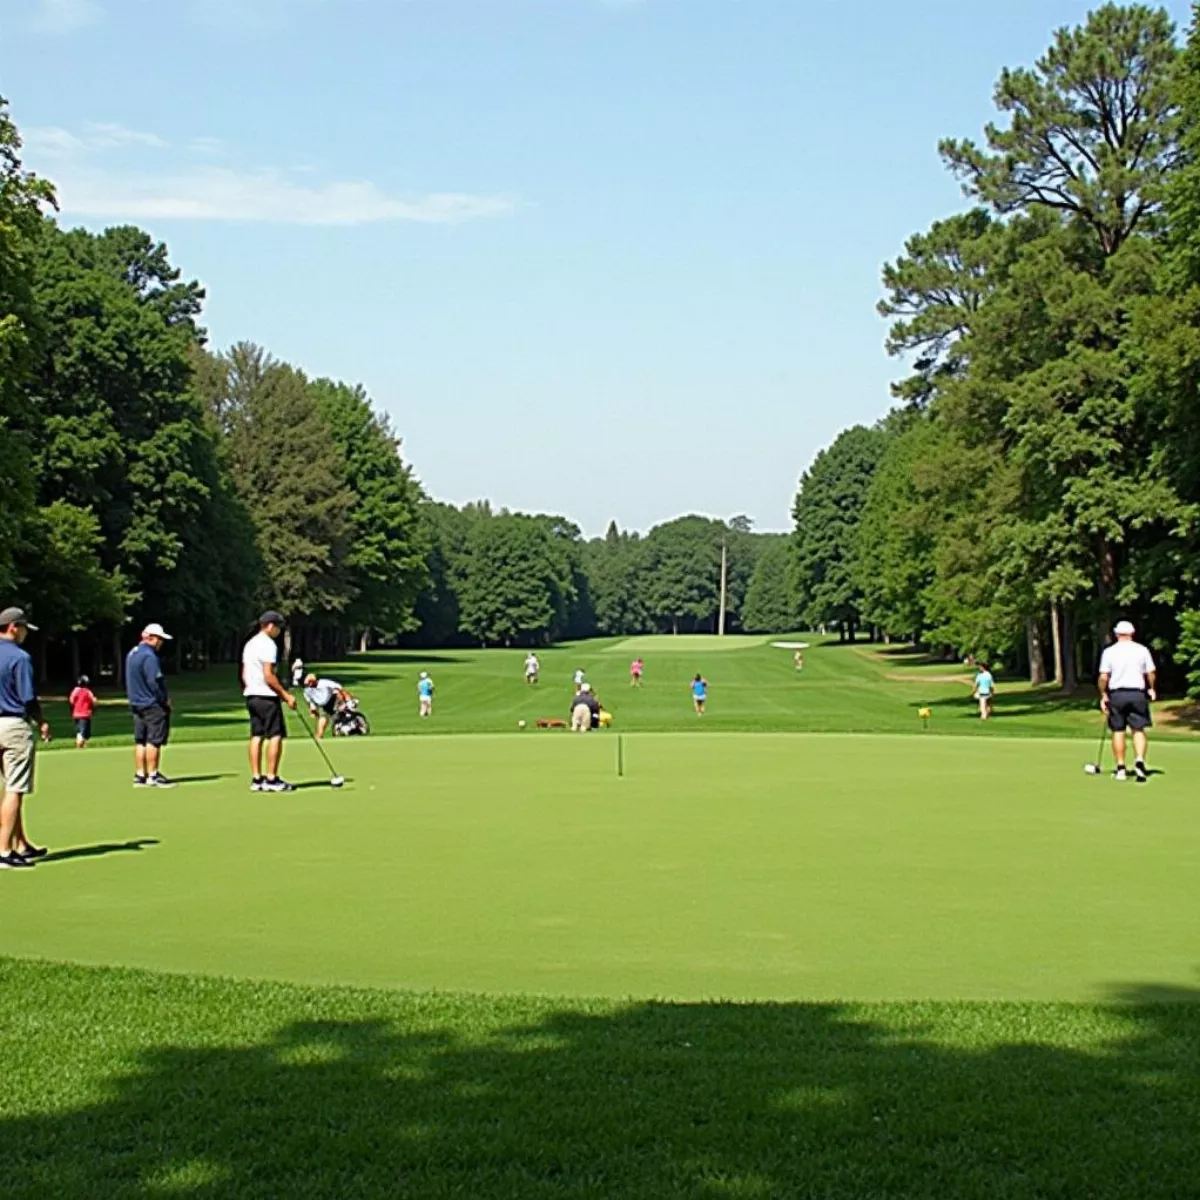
column 1127, row 688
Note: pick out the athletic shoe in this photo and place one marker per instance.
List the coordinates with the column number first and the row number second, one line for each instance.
column 278, row 785
column 11, row 862
column 258, row 784
column 33, row 853
column 1139, row 769
column 158, row 779
column 1120, row 775
column 139, row 781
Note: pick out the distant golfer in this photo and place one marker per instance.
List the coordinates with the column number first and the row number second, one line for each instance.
column 298, row 672
column 985, row 689
column 1127, row 687
column 532, row 668
column 18, row 708
column 585, row 709
column 425, row 690
column 699, row 694
column 636, row 669
column 83, row 707
column 798, row 660
column 580, row 679
column 150, row 705
column 265, row 698
column 323, row 696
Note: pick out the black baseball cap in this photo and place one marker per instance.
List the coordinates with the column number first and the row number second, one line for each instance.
column 271, row 617
column 15, row 616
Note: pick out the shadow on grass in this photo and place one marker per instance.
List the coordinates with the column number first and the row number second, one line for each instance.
column 649, row 1101
column 99, row 850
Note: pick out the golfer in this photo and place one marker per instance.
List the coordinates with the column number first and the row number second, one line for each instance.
column 425, row 695
column 1127, row 687
column 265, row 698
column 985, row 689
column 699, row 694
column 323, row 696
column 150, row 705
column 582, row 709
column 532, row 668
column 798, row 660
column 83, row 707
column 18, row 708
column 636, row 669
column 580, row 679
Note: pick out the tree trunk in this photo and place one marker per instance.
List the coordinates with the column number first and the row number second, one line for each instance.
column 364, row 642
column 1037, row 661
column 1065, row 674
column 675, row 626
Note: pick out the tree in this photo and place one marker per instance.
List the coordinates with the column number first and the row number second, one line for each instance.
column 387, row 552
column 770, row 605
column 683, row 573
column 827, row 512
column 614, row 566
column 1093, row 130
column 510, row 592
column 290, row 476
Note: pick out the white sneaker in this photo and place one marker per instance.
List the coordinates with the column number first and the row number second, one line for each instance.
column 1120, row 775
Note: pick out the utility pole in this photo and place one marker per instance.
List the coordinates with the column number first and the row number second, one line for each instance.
column 724, row 581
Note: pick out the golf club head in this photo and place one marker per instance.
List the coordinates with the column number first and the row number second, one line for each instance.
column 337, row 781
column 1092, row 769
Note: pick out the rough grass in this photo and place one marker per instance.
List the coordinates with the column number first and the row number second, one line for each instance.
column 122, row 1084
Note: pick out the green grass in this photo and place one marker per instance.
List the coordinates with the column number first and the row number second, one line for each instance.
column 754, row 688
column 770, row 866
column 122, row 1084
column 961, row 967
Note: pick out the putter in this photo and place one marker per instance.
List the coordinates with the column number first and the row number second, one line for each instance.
column 1097, row 767
column 335, row 780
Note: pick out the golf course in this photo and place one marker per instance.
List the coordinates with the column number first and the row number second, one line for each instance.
column 808, row 921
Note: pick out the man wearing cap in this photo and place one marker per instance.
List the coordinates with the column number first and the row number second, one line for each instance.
column 18, row 708
column 1127, row 679
column 265, row 698
column 150, row 705
column 585, row 709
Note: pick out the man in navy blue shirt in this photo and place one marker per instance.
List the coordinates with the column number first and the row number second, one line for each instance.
column 18, row 707
column 151, row 706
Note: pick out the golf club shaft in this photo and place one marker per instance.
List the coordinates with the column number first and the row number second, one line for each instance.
column 316, row 741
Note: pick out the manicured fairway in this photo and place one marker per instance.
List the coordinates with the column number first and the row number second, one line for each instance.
column 748, row 866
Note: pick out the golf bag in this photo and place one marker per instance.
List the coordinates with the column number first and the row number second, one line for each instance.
column 347, row 721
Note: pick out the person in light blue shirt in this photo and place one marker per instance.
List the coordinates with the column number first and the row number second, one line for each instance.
column 425, row 694
column 985, row 689
column 699, row 694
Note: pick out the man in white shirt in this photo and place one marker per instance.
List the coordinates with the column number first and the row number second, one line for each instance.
column 265, row 698
column 1127, row 679
column 532, row 667
column 323, row 696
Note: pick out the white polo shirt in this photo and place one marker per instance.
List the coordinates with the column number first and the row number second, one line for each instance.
column 258, row 651
column 1126, row 664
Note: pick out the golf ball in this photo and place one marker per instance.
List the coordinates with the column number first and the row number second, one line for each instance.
column 520, row 724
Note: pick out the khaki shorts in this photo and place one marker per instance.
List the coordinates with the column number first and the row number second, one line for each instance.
column 581, row 718
column 17, row 747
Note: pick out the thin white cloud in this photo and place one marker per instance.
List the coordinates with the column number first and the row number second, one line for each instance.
column 58, row 17
column 55, row 142
column 175, row 186
column 220, row 194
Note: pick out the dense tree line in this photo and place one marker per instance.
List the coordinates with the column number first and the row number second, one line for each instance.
column 1042, row 473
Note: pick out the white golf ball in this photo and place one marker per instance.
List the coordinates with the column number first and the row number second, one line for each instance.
column 520, row 724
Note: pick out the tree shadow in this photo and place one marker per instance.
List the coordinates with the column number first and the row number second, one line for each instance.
column 651, row 1100
column 99, row 850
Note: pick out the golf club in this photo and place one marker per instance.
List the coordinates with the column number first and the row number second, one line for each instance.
column 335, row 780
column 1097, row 767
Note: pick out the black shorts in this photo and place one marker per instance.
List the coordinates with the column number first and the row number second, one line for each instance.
column 151, row 725
column 1128, row 708
column 266, row 717
column 83, row 727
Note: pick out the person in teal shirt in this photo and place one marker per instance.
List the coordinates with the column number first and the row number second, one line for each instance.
column 985, row 689
column 699, row 694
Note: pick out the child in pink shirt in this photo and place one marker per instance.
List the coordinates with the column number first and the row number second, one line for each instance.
column 83, row 704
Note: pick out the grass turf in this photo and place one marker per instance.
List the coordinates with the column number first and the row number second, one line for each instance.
column 768, row 866
column 754, row 688
column 123, row 1084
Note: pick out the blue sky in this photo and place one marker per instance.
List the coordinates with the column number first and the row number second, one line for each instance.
column 609, row 258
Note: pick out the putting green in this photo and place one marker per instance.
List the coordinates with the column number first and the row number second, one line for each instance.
column 688, row 643
column 756, row 866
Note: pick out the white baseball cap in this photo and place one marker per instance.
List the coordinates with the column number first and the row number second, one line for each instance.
column 1124, row 629
column 156, row 630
